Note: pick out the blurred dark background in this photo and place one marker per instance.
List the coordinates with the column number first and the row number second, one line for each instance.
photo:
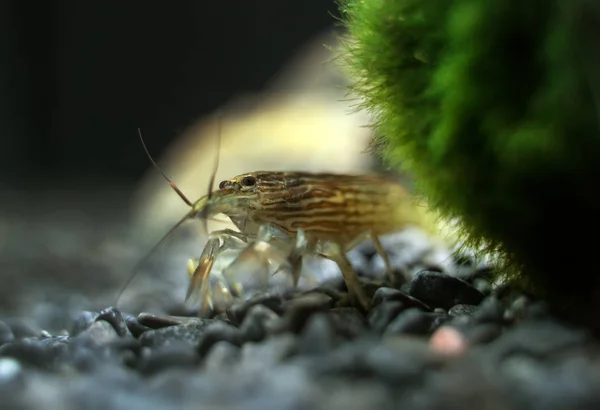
column 78, row 78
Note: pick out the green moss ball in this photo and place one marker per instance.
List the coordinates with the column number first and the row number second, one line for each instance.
column 490, row 105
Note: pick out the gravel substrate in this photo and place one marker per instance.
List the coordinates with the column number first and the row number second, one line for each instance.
column 435, row 341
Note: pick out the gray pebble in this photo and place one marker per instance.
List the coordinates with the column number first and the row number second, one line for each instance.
column 363, row 359
column 21, row 329
column 191, row 333
column 462, row 310
column 47, row 354
column 99, row 333
column 116, row 319
column 261, row 357
column 440, row 290
column 318, row 336
column 219, row 332
column 174, row 355
column 237, row 312
column 82, row 322
column 222, row 355
column 6, row 334
column 256, row 322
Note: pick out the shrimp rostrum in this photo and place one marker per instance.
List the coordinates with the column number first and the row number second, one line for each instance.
column 288, row 215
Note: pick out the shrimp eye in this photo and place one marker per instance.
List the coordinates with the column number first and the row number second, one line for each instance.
column 249, row 181
column 222, row 184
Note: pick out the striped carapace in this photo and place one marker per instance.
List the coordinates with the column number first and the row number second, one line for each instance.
column 318, row 213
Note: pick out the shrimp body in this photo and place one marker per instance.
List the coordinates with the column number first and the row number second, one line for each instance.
column 324, row 214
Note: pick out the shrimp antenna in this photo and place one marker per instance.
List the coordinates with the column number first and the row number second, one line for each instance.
column 213, row 174
column 137, row 266
column 171, row 183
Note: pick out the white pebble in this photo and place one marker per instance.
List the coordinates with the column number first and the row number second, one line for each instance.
column 9, row 369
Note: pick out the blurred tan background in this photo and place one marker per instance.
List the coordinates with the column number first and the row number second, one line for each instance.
column 303, row 120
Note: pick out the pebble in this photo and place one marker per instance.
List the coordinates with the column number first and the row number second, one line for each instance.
column 380, row 316
column 298, row 310
column 134, row 326
column 448, row 341
column 22, row 329
column 154, row 321
column 434, row 343
column 255, row 326
column 99, row 333
column 348, row 322
column 6, row 334
column 318, row 336
column 82, row 322
column 237, row 312
column 483, row 286
column 437, row 289
column 116, row 319
column 389, row 294
column 462, row 310
column 179, row 355
column 413, row 321
column 219, row 332
column 261, row 357
column 45, row 354
column 490, row 310
column 10, row 369
column 191, row 333
column 222, row 356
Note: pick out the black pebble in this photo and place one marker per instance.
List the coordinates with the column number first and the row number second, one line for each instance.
column 134, row 326
column 298, row 310
column 6, row 334
column 348, row 322
column 483, row 333
column 388, row 294
column 380, row 316
column 154, row 321
column 440, row 290
column 413, row 321
column 491, row 310
column 237, row 312
column 539, row 339
column 116, row 319
column 330, row 291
